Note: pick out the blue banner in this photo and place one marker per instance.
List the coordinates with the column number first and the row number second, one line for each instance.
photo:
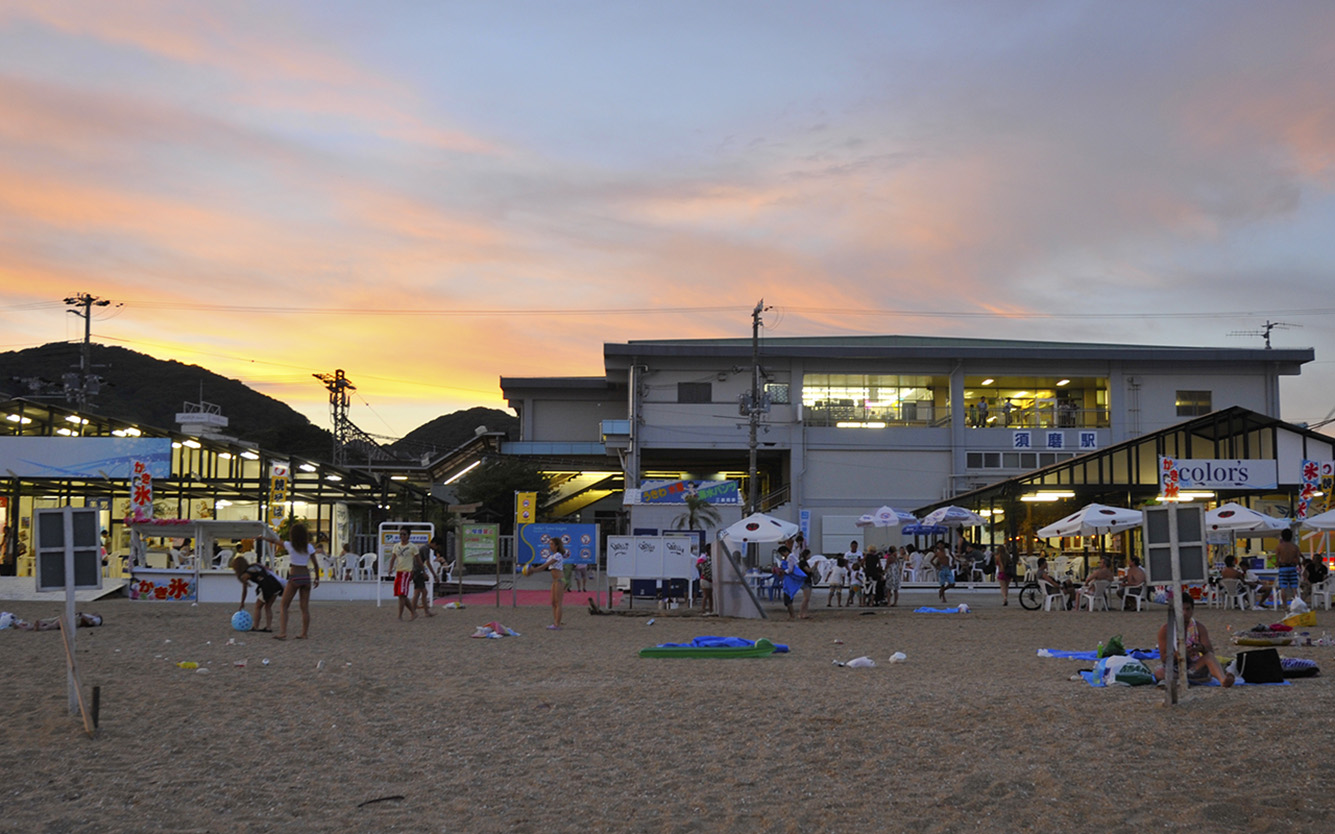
column 533, row 543
column 675, row 492
column 111, row 458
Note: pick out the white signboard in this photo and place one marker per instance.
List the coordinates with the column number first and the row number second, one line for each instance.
column 650, row 557
column 1176, row 474
column 620, row 558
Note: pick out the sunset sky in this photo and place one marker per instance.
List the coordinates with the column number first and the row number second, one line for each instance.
column 431, row 195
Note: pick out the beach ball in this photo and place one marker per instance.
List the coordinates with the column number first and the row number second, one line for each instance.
column 241, row 621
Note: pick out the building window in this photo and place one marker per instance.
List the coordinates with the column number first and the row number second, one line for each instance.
column 1014, row 460
column 832, row 399
column 778, row 392
column 1193, row 403
column 694, row 392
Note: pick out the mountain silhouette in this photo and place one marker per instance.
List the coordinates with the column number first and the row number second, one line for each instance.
column 138, row 388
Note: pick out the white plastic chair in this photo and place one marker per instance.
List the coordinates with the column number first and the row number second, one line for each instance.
column 1096, row 595
column 1233, row 593
column 1050, row 593
column 367, row 570
column 224, row 559
column 1136, row 593
column 1321, row 591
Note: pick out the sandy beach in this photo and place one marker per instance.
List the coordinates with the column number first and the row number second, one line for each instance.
column 571, row 731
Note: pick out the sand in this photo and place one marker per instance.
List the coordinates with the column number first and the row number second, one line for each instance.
column 572, row 731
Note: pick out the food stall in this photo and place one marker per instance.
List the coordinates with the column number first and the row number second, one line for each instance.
column 196, row 580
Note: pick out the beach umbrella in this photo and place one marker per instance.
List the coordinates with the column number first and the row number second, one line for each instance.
column 953, row 516
column 886, row 517
column 759, row 527
column 1325, row 521
column 924, row 530
column 1092, row 519
column 1235, row 518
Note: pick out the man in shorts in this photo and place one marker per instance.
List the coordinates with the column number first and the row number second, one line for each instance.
column 401, row 557
column 1287, row 558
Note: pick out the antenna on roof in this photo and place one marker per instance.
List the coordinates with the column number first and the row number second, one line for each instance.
column 1264, row 331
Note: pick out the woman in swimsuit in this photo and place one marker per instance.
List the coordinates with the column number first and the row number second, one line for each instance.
column 1201, row 662
column 555, row 566
column 301, row 557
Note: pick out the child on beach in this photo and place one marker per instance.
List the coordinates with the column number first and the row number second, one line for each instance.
column 268, row 587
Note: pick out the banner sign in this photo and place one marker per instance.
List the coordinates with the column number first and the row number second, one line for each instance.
column 533, row 543
column 1176, row 474
column 84, row 457
column 278, row 482
column 526, row 508
column 141, row 492
column 1318, row 476
column 675, row 492
column 480, row 543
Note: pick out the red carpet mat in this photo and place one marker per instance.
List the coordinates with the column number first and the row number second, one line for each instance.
column 574, row 599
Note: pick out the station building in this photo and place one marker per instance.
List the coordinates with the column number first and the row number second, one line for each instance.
column 851, row 423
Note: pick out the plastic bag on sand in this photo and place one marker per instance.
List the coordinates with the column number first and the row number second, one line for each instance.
column 964, row 608
column 1298, row 606
column 861, row 662
column 898, row 657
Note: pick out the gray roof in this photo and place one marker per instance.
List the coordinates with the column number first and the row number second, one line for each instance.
column 935, row 347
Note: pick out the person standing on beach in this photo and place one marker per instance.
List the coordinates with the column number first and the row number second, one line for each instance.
column 835, row 580
column 1005, row 571
column 1287, row 558
column 804, row 564
column 555, row 565
column 402, row 556
column 301, row 556
column 894, row 573
column 792, row 577
column 421, row 567
column 945, row 570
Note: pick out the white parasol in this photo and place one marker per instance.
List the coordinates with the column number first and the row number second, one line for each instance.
column 759, row 527
column 1325, row 521
column 886, row 517
column 1235, row 518
column 1092, row 519
column 953, row 516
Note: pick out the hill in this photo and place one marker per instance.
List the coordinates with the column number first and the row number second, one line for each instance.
column 450, row 430
column 138, row 388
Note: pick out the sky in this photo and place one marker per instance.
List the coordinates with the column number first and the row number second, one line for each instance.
column 432, row 195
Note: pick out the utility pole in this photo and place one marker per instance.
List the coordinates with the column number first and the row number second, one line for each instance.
column 87, row 302
column 754, row 408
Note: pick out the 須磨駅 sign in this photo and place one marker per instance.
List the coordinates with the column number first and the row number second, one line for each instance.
column 1176, row 474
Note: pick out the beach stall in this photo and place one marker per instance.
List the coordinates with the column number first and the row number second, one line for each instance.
column 190, row 576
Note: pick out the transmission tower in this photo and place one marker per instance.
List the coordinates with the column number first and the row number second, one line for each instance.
column 339, row 386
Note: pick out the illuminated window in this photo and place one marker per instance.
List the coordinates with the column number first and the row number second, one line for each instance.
column 1193, row 403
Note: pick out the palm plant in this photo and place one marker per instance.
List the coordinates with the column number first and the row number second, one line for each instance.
column 699, row 515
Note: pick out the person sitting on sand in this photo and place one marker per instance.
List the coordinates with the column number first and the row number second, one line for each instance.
column 268, row 587
column 1201, row 662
